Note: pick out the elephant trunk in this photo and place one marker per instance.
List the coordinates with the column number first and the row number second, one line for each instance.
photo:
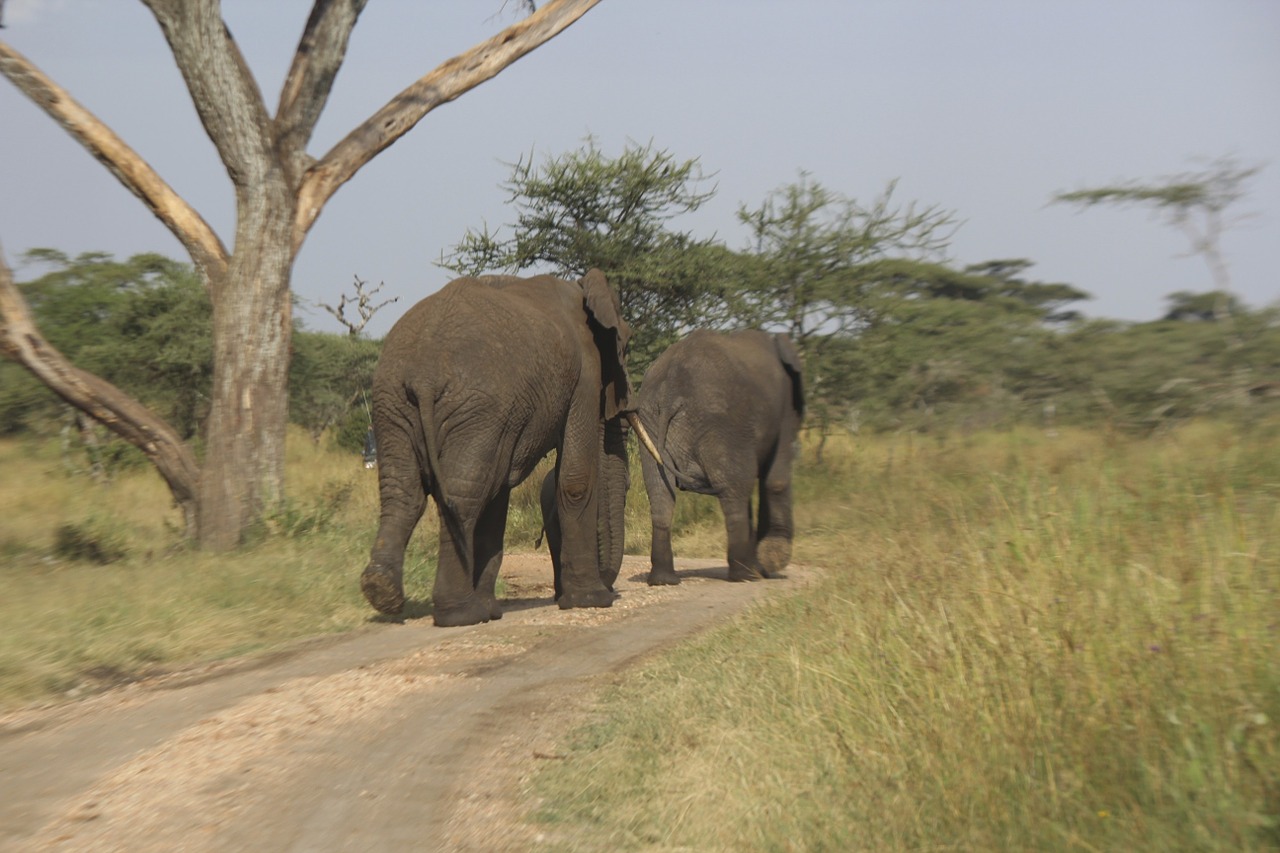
column 612, row 499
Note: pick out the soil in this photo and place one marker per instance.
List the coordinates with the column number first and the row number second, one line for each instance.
column 398, row 736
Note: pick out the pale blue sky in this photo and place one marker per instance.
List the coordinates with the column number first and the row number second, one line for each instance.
column 984, row 107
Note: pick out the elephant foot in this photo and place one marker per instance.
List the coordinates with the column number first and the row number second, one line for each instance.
column 592, row 598
column 383, row 588
column 739, row 573
column 774, row 553
column 473, row 611
column 663, row 578
column 495, row 609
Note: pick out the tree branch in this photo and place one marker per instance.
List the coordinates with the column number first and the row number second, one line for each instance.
column 222, row 88
column 447, row 82
column 21, row 341
column 206, row 250
column 306, row 89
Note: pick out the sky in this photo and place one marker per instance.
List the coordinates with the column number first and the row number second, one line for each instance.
column 986, row 108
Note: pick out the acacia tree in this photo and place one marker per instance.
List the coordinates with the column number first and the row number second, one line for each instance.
column 585, row 209
column 1193, row 202
column 280, row 190
column 819, row 257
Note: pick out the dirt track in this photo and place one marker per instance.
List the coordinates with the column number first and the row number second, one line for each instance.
column 401, row 736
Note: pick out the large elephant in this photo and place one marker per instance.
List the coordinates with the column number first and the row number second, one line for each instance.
column 476, row 384
column 724, row 410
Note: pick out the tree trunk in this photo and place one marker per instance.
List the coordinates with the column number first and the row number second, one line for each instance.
column 243, row 473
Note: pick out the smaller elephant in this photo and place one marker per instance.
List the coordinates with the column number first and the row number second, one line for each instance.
column 724, row 410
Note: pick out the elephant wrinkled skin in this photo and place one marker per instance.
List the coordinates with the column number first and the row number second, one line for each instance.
column 724, row 411
column 475, row 385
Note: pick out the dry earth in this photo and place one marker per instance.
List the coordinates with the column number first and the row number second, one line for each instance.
column 400, row 736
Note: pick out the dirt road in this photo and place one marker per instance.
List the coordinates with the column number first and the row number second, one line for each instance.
column 399, row 737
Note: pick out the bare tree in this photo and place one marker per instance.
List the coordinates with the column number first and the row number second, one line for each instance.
column 363, row 300
column 280, row 190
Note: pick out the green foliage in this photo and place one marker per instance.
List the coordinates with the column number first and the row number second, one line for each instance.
column 330, row 377
column 584, row 209
column 944, row 347
column 1210, row 191
column 141, row 324
column 814, row 248
column 348, row 434
column 144, row 325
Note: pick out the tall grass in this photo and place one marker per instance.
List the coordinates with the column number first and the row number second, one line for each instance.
column 100, row 588
column 1020, row 642
column 68, row 626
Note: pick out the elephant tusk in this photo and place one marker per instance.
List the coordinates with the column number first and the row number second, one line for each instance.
column 634, row 420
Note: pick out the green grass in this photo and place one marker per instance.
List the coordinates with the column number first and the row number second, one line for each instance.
column 1021, row 642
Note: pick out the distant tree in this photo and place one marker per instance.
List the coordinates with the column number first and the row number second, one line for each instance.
column 818, row 261
column 365, row 307
column 1195, row 203
column 329, row 378
column 1202, row 307
column 942, row 345
column 140, row 324
column 1048, row 300
column 584, row 209
column 280, row 190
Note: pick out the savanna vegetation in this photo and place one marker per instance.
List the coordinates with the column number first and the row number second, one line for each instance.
column 1047, row 613
column 1020, row 641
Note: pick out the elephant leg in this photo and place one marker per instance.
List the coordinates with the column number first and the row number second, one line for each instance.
column 662, row 508
column 775, row 529
column 453, row 597
column 490, row 534
column 612, row 500
column 551, row 526
column 403, row 497
column 577, row 493
column 741, row 535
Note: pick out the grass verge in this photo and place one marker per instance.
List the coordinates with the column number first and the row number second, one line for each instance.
column 100, row 589
column 1022, row 642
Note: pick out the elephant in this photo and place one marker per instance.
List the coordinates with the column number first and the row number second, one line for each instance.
column 724, row 410
column 475, row 385
column 551, row 519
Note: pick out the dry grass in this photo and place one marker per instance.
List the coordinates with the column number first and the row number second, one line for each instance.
column 76, row 625
column 1023, row 643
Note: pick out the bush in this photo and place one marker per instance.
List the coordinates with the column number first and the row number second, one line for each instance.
column 90, row 541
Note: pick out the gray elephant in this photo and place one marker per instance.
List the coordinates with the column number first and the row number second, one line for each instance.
column 551, row 523
column 476, row 384
column 724, row 411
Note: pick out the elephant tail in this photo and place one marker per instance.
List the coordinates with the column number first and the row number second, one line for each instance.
column 450, row 515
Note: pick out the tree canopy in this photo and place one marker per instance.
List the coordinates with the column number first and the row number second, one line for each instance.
column 585, row 209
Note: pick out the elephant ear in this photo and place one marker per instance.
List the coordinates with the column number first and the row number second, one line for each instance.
column 612, row 334
column 790, row 358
